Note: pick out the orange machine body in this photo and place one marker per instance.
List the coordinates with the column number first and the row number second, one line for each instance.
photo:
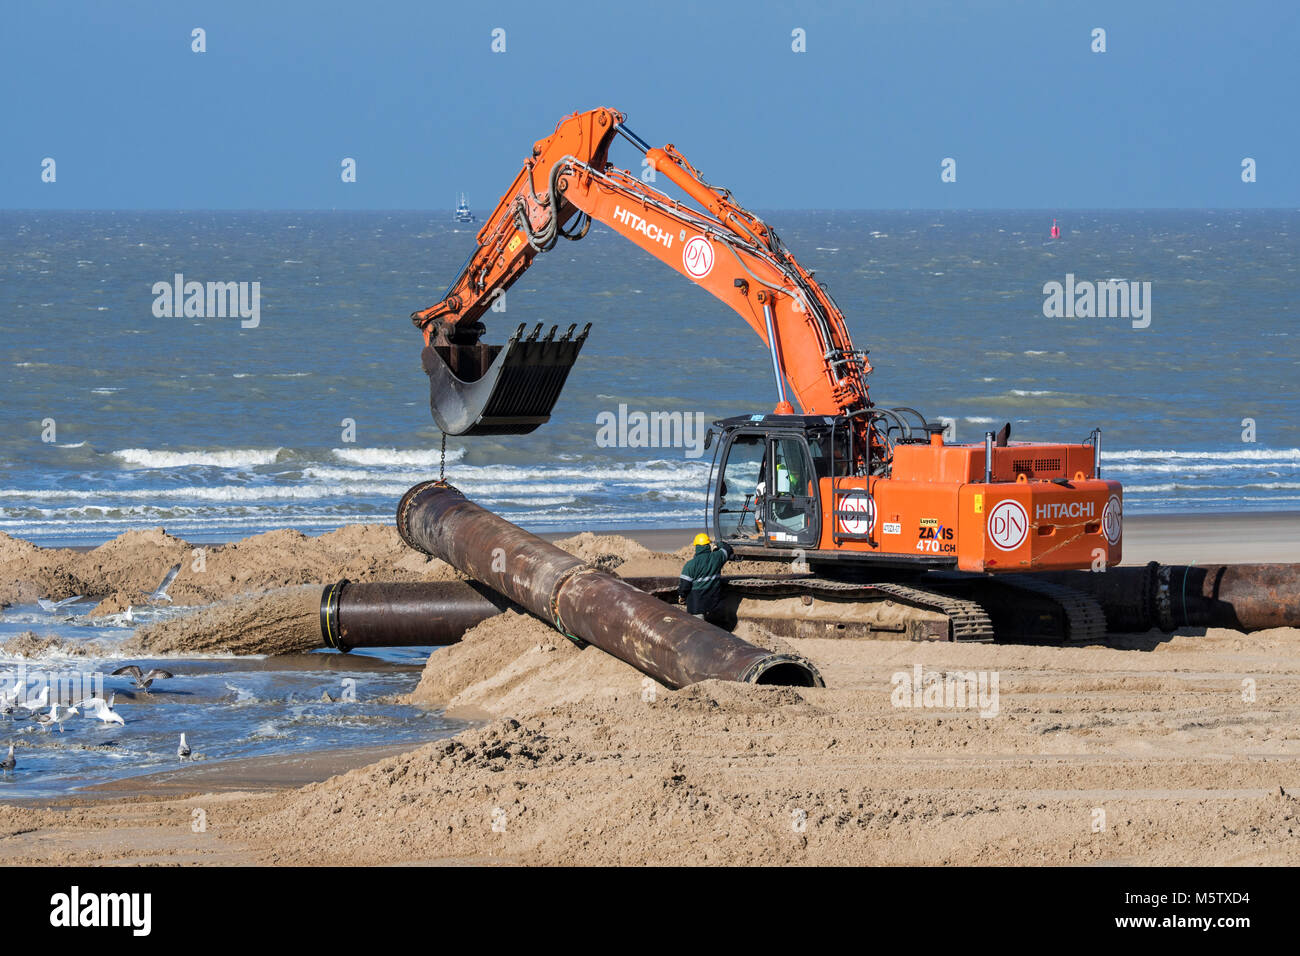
column 936, row 504
column 893, row 493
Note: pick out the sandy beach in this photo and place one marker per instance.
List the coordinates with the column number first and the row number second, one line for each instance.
column 1156, row 749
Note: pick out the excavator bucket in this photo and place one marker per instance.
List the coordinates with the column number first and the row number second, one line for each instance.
column 510, row 389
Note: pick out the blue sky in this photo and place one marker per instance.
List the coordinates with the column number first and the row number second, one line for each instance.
column 862, row 119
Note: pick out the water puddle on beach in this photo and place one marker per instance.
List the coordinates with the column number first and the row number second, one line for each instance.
column 229, row 708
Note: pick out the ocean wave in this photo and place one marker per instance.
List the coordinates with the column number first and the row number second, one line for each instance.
column 1183, row 486
column 653, row 472
column 226, row 458
column 1241, row 454
column 395, row 457
column 225, row 493
column 1244, row 467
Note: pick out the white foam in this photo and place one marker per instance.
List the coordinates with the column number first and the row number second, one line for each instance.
column 224, row 493
column 1147, row 468
column 1242, row 454
column 392, row 456
column 229, row 458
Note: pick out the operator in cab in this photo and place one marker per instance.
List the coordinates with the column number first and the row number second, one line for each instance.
column 701, row 581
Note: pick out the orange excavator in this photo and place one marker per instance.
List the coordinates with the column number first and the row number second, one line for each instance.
column 842, row 485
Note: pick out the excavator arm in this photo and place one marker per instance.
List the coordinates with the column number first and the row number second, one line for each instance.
column 565, row 184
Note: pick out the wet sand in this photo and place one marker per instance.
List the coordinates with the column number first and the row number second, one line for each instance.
column 1159, row 749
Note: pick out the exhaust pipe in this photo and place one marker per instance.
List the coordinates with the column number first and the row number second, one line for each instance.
column 586, row 605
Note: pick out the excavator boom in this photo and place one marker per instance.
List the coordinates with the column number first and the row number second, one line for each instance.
column 564, row 185
column 841, row 480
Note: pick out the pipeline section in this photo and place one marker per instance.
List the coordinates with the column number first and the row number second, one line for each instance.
column 1244, row 597
column 585, row 604
column 408, row 614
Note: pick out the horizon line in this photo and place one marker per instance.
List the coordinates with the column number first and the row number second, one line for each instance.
column 871, row 209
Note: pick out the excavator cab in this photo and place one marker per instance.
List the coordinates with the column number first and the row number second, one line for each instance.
column 481, row 389
column 766, row 494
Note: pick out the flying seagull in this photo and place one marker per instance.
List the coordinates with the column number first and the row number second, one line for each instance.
column 143, row 679
column 52, row 606
column 160, row 592
column 100, row 709
column 8, row 764
column 183, row 750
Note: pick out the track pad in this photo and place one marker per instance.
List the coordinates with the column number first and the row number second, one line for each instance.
column 509, row 389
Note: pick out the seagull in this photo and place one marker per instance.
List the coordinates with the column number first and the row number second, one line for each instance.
column 160, row 592
column 58, row 714
column 40, row 703
column 52, row 606
column 8, row 764
column 98, row 708
column 183, row 750
column 7, row 705
column 142, row 679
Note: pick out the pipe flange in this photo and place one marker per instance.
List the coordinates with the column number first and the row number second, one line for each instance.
column 756, row 670
column 1147, row 595
column 1163, row 601
column 331, row 630
column 553, row 602
column 404, row 508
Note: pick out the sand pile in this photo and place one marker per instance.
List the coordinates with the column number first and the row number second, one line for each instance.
column 126, row 568
column 582, row 762
column 513, row 663
column 282, row 621
column 605, row 551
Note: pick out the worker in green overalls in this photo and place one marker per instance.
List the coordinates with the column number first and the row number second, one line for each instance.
column 701, row 581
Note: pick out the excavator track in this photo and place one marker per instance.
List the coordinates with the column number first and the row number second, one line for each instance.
column 967, row 620
column 1085, row 622
column 1017, row 608
column 1026, row 609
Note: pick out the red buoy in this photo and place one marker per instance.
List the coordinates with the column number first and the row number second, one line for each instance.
column 1056, row 230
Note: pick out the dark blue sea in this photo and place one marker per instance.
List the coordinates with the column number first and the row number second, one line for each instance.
column 113, row 417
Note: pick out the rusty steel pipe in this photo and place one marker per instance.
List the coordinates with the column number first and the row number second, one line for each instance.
column 1244, row 597
column 407, row 614
column 583, row 603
